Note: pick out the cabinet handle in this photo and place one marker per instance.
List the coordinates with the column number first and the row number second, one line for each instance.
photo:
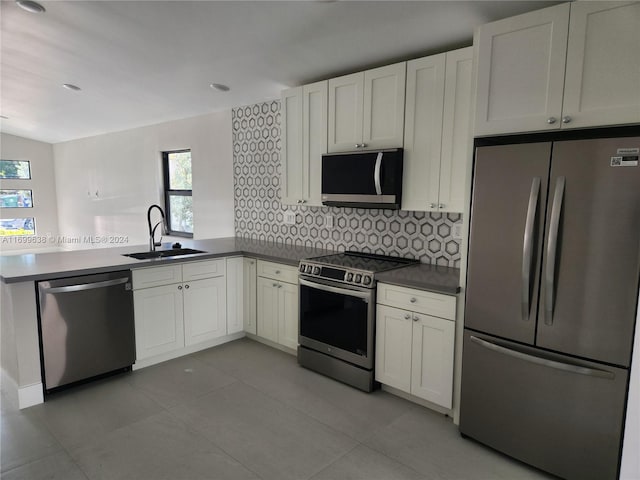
column 407, row 316
column 274, row 284
column 413, row 300
column 416, row 318
column 441, row 205
column 179, row 287
column 279, row 285
column 566, row 119
column 432, row 205
column 277, row 272
column 363, row 145
column 551, row 120
column 187, row 287
column 357, row 145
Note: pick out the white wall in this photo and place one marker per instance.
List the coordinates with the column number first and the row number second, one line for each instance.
column 42, row 183
column 106, row 183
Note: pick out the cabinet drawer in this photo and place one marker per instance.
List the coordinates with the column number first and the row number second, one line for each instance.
column 429, row 303
column 203, row 269
column 156, row 276
column 277, row 271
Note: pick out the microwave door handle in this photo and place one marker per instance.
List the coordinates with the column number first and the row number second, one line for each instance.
column 376, row 173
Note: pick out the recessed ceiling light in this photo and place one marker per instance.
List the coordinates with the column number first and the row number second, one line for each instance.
column 70, row 86
column 30, row 6
column 220, row 87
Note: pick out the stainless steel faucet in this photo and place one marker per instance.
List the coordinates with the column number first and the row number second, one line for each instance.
column 152, row 230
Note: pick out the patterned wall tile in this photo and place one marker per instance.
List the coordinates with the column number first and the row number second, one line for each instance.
column 259, row 214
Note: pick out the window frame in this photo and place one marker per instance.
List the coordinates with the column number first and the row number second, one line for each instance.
column 168, row 192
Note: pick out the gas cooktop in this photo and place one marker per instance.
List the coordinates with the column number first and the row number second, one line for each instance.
column 354, row 268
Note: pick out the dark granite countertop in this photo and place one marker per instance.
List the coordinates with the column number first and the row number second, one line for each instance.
column 41, row 266
column 434, row 278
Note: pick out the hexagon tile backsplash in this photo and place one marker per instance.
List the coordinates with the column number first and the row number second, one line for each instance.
column 259, row 214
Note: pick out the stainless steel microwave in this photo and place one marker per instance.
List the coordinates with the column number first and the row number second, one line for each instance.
column 363, row 179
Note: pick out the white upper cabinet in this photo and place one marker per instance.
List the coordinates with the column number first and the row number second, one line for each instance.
column 567, row 66
column 345, row 112
column 304, row 141
column 456, row 130
column 291, row 136
column 437, row 136
column 602, row 80
column 366, row 109
column 521, row 63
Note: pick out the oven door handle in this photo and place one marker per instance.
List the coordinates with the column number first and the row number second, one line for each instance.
column 341, row 291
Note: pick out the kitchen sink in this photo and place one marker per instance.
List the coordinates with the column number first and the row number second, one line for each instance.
column 174, row 252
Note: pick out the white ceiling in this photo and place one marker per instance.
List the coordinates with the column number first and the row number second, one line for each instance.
column 145, row 62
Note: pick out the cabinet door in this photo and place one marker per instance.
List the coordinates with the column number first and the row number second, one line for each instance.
column 291, row 131
column 235, row 295
column 205, row 310
column 158, row 320
column 268, row 308
column 432, row 359
column 521, row 63
column 288, row 315
column 345, row 112
column 314, row 137
column 456, row 130
column 602, row 81
column 423, row 133
column 249, row 295
column 383, row 107
column 393, row 347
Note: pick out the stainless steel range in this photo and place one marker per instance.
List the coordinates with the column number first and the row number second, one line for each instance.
column 337, row 314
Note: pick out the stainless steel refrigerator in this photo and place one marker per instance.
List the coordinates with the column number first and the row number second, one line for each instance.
column 551, row 302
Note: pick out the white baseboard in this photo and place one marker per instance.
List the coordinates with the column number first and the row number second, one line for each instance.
column 418, row 400
column 30, row 395
column 271, row 344
column 147, row 362
column 22, row 397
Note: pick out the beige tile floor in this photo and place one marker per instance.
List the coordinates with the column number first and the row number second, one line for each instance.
column 238, row 411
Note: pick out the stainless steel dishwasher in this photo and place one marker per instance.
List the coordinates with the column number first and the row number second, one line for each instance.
column 86, row 327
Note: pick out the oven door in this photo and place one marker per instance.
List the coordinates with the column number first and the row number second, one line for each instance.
column 338, row 320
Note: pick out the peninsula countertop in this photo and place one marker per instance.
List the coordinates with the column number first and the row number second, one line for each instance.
column 46, row 266
column 42, row 266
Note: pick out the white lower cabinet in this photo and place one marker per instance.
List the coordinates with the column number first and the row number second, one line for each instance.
column 414, row 350
column 189, row 310
column 277, row 304
column 159, row 320
column 205, row 310
column 250, row 294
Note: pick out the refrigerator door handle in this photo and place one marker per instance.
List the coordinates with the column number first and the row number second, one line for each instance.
column 527, row 246
column 545, row 362
column 552, row 247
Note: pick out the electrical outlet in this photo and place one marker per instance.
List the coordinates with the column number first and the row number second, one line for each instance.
column 328, row 221
column 457, row 231
column 289, row 217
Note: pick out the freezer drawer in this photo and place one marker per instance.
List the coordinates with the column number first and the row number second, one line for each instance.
column 551, row 411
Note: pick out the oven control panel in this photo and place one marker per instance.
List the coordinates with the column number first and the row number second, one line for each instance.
column 340, row 274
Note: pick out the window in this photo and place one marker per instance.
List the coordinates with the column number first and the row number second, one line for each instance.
column 15, row 169
column 11, row 227
column 16, row 198
column 177, row 192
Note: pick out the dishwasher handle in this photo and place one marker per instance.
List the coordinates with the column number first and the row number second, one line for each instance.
column 87, row 286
